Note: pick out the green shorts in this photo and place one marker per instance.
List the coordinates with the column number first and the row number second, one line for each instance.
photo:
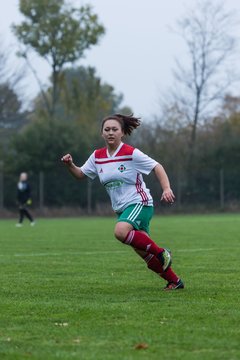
column 138, row 215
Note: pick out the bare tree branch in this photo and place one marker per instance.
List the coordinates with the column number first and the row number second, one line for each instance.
column 204, row 77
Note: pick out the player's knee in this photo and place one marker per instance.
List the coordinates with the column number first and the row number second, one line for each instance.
column 119, row 234
column 121, row 230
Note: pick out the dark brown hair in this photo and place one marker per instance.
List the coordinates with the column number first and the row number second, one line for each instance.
column 128, row 122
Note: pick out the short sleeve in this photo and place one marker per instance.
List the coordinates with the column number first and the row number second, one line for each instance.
column 143, row 163
column 89, row 167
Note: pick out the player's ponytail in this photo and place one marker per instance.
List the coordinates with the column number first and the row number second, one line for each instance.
column 128, row 122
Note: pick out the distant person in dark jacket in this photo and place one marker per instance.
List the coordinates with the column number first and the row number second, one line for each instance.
column 24, row 199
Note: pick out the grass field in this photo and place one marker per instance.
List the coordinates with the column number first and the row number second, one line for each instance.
column 69, row 290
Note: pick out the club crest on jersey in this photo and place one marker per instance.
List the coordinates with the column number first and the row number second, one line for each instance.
column 121, row 168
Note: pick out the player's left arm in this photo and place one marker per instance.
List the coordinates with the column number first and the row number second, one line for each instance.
column 167, row 195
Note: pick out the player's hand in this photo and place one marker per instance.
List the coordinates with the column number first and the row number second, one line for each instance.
column 67, row 159
column 168, row 196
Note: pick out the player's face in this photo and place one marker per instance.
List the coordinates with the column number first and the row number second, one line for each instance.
column 112, row 133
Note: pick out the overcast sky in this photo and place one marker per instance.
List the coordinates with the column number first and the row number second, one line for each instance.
column 135, row 56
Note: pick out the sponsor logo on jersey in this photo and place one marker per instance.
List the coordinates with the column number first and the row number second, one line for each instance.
column 113, row 184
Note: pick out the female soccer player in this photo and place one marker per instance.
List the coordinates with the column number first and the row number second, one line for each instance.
column 120, row 167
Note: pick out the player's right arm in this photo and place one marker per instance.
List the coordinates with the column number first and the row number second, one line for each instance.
column 72, row 168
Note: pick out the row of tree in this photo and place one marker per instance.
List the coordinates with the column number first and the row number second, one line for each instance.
column 197, row 143
column 214, row 177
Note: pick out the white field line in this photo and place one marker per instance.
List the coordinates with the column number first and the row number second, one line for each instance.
column 196, row 250
column 93, row 253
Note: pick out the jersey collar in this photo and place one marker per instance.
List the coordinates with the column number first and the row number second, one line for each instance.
column 116, row 151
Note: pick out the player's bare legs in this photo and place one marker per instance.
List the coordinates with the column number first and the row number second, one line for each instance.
column 125, row 232
column 121, row 230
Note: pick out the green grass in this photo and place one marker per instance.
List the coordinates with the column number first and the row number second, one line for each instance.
column 69, row 290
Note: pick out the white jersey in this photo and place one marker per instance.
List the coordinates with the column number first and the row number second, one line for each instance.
column 121, row 175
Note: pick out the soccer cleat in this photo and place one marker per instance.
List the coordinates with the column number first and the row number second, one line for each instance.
column 174, row 286
column 18, row 225
column 165, row 259
column 32, row 223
